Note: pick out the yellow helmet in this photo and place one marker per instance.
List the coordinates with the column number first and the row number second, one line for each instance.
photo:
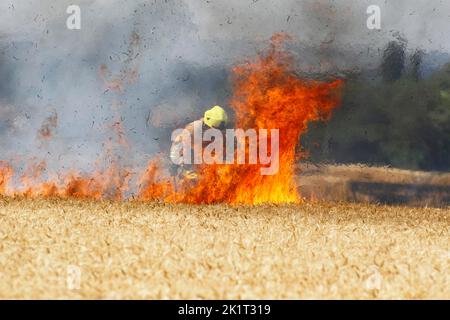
column 215, row 117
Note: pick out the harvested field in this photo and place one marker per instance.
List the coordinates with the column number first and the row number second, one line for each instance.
column 361, row 183
column 153, row 250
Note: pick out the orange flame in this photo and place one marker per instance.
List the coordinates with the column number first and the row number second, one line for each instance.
column 111, row 183
column 6, row 173
column 267, row 94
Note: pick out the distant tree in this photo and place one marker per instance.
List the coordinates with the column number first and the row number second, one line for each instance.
column 393, row 60
column 404, row 124
column 416, row 62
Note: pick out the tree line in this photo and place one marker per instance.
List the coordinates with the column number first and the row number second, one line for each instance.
column 393, row 117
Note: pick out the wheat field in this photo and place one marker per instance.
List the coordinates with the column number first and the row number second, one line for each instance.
column 158, row 251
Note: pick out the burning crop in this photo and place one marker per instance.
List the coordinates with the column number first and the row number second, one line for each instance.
column 267, row 94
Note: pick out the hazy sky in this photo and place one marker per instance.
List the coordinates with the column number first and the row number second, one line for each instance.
column 424, row 23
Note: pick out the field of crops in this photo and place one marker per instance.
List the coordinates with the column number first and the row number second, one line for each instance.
column 361, row 183
column 89, row 249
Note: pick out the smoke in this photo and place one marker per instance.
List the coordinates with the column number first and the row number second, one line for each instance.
column 138, row 68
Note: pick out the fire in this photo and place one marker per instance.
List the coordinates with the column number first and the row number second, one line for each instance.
column 267, row 94
column 6, row 173
column 110, row 183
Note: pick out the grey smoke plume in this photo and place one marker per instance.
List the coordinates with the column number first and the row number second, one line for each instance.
column 138, row 68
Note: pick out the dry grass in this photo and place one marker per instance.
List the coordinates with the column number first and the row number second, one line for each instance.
column 363, row 172
column 150, row 250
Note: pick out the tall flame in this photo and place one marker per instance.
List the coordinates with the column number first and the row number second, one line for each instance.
column 267, row 94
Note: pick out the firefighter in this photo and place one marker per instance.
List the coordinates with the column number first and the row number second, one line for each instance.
column 217, row 118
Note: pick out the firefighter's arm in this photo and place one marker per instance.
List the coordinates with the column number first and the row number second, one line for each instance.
column 181, row 142
column 176, row 151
